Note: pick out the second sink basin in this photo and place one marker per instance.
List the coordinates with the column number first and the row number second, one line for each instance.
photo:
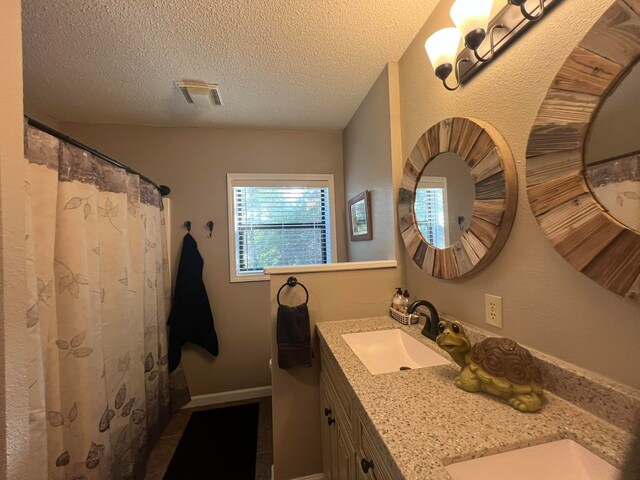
column 384, row 351
column 559, row 460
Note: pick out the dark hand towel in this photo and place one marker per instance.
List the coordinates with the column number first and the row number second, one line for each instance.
column 294, row 337
column 190, row 319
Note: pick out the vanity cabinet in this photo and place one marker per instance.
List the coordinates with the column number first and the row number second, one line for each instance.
column 348, row 453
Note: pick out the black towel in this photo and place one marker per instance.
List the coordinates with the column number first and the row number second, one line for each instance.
column 190, row 319
column 294, row 337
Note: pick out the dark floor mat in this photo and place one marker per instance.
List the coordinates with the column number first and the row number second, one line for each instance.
column 217, row 444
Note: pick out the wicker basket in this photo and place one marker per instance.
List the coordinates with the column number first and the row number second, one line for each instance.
column 403, row 318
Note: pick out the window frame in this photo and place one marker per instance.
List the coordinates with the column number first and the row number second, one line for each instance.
column 277, row 180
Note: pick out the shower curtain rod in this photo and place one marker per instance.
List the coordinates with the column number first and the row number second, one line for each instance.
column 163, row 189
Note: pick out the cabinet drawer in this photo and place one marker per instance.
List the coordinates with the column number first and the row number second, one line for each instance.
column 339, row 412
column 338, row 381
column 368, row 453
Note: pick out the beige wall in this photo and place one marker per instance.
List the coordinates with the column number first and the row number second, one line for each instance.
column 397, row 157
column 547, row 304
column 14, row 400
column 366, row 146
column 296, row 396
column 194, row 163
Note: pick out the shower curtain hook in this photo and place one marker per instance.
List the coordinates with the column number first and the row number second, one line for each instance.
column 187, row 225
column 210, row 225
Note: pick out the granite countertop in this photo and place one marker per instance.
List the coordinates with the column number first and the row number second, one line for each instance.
column 421, row 422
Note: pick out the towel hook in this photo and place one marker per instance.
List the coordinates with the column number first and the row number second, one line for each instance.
column 292, row 282
column 187, row 225
column 210, row 225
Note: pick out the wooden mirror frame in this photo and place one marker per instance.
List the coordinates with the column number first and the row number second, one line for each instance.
column 579, row 227
column 494, row 175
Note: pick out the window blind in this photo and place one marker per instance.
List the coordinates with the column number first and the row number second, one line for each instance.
column 429, row 211
column 280, row 226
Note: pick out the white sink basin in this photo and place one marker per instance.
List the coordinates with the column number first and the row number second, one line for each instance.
column 385, row 351
column 560, row 460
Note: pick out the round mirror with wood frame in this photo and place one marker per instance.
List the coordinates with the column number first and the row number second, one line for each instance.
column 579, row 227
column 496, row 190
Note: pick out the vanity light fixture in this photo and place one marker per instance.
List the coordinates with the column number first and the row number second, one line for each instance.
column 525, row 13
column 473, row 24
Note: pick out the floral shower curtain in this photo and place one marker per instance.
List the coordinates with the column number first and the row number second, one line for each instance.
column 97, row 275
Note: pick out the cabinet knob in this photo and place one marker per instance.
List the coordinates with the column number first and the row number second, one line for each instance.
column 327, row 412
column 330, row 421
column 366, row 465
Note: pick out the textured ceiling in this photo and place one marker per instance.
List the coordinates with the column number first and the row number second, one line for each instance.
column 280, row 63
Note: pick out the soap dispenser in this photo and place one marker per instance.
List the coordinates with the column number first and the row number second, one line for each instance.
column 398, row 300
column 405, row 301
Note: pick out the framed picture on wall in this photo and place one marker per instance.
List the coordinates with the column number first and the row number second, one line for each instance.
column 359, row 213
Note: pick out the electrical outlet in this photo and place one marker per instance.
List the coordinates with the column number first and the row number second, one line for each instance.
column 493, row 310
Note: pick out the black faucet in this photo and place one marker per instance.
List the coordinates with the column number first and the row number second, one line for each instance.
column 430, row 329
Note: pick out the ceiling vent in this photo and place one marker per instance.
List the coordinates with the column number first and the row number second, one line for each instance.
column 201, row 94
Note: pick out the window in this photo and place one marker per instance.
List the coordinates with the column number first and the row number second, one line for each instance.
column 431, row 210
column 279, row 220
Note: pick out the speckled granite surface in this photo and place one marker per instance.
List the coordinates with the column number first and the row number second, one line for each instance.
column 421, row 422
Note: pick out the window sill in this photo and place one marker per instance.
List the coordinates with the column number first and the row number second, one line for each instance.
column 249, row 278
column 331, row 267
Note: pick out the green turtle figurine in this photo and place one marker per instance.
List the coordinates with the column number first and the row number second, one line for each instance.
column 498, row 366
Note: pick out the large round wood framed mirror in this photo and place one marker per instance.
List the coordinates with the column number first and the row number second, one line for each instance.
column 458, row 198
column 583, row 156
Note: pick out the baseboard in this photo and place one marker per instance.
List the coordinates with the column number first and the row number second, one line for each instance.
column 225, row 397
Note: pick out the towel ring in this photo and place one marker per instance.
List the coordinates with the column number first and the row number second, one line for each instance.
column 292, row 282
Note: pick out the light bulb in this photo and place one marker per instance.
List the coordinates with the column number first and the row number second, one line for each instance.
column 442, row 47
column 471, row 15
